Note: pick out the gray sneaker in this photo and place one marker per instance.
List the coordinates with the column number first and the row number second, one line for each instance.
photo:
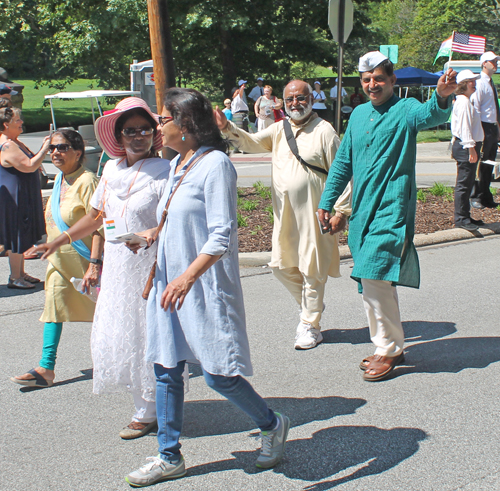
column 157, row 470
column 273, row 444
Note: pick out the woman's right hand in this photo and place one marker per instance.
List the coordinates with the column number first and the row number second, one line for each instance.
column 146, row 234
column 472, row 155
column 45, row 145
column 44, row 249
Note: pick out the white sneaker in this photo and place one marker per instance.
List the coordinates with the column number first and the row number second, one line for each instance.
column 157, row 470
column 307, row 336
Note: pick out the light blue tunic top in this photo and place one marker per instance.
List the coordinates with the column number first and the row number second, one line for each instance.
column 210, row 327
column 379, row 152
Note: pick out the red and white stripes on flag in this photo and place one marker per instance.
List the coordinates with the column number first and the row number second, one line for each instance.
column 468, row 43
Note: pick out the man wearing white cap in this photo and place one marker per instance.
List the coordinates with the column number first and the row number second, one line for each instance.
column 467, row 141
column 378, row 153
column 302, row 257
column 485, row 100
column 258, row 90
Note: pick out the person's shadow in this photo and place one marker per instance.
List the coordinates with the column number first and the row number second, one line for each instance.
column 226, row 418
column 354, row 451
column 414, row 331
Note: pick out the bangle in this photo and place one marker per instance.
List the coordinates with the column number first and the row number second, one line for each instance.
column 69, row 236
column 95, row 261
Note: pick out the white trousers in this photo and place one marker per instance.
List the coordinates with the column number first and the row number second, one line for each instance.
column 380, row 299
column 145, row 411
column 262, row 124
column 307, row 291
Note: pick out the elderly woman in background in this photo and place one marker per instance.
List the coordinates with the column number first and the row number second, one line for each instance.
column 21, row 209
column 197, row 269
column 126, row 199
column 70, row 201
column 468, row 137
column 264, row 108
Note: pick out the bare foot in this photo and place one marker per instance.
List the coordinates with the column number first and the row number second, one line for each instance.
column 48, row 375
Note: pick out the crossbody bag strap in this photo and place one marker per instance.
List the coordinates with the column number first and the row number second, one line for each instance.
column 292, row 143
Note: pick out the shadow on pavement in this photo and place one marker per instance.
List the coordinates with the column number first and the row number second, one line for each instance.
column 14, row 292
column 86, row 375
column 451, row 355
column 414, row 331
column 354, row 451
column 230, row 419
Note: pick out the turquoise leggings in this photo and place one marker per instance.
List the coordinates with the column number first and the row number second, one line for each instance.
column 51, row 336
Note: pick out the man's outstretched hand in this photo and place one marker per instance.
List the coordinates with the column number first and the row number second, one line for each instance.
column 220, row 118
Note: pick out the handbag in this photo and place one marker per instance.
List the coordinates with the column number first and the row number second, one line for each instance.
column 278, row 114
column 152, row 273
column 292, row 143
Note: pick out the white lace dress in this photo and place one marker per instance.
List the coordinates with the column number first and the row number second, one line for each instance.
column 118, row 339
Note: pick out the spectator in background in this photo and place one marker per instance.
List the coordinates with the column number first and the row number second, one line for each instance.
column 468, row 137
column 319, row 98
column 357, row 98
column 264, row 108
column 5, row 102
column 333, row 97
column 227, row 109
column 239, row 107
column 485, row 100
column 257, row 91
column 6, row 92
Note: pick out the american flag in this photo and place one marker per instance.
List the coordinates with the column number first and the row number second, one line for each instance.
column 467, row 43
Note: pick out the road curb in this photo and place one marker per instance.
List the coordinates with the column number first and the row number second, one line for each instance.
column 256, row 259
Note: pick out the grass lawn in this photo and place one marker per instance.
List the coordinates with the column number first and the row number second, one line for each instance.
column 74, row 112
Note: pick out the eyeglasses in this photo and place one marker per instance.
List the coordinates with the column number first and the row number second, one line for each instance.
column 300, row 98
column 60, row 147
column 130, row 132
column 163, row 120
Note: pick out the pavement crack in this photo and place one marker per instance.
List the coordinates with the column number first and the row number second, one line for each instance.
column 21, row 311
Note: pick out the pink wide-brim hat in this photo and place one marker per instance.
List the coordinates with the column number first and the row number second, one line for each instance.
column 105, row 126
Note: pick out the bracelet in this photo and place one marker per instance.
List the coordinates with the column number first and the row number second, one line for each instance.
column 69, row 236
column 95, row 261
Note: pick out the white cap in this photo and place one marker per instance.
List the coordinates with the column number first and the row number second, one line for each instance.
column 489, row 56
column 241, row 82
column 370, row 61
column 260, row 78
column 467, row 75
column 317, row 82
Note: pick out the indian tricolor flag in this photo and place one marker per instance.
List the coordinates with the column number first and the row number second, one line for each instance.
column 445, row 48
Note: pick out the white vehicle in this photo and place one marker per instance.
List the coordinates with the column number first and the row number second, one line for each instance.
column 93, row 152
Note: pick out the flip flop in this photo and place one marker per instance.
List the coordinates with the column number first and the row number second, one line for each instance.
column 382, row 365
column 38, row 381
column 368, row 359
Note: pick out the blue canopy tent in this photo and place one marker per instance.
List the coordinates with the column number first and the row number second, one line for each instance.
column 415, row 77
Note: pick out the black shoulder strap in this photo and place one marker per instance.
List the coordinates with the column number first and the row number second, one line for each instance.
column 293, row 147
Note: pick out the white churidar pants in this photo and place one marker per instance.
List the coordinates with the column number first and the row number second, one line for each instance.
column 145, row 411
column 307, row 291
column 380, row 299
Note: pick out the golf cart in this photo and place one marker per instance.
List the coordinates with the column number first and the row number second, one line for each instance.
column 94, row 156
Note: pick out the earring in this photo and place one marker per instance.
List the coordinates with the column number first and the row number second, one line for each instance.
column 183, row 137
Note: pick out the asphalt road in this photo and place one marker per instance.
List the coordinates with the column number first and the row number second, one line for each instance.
column 431, row 427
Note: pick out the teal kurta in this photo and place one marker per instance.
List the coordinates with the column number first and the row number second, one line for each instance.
column 379, row 152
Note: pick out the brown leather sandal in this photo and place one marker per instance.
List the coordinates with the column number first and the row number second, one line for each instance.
column 368, row 359
column 382, row 366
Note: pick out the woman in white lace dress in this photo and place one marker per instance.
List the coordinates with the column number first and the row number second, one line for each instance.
column 128, row 194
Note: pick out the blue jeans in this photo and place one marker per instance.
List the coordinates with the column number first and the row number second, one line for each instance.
column 170, row 405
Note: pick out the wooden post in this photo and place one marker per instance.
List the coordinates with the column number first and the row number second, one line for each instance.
column 161, row 49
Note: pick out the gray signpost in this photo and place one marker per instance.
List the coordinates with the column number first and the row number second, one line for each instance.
column 340, row 20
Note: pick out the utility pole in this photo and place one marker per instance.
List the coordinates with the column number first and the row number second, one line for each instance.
column 161, row 49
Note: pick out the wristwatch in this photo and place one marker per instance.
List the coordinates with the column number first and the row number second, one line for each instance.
column 95, row 261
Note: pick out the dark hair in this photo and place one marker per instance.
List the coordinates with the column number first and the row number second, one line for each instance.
column 138, row 111
column 193, row 113
column 75, row 140
column 4, row 102
column 6, row 115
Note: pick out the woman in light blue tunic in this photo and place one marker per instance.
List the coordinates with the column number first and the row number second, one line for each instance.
column 195, row 309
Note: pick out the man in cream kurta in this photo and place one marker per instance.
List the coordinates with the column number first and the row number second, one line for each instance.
column 302, row 258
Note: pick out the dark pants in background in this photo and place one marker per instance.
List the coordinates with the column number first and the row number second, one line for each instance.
column 466, row 176
column 481, row 191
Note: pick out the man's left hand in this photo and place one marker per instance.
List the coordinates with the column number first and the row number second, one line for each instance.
column 447, row 83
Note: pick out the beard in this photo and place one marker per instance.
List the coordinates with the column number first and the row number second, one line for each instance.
column 299, row 113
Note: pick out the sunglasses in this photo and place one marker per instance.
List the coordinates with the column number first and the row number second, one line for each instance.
column 163, row 120
column 60, row 147
column 137, row 131
column 300, row 98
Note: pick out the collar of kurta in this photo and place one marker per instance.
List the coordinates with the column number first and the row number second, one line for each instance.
column 71, row 178
column 386, row 105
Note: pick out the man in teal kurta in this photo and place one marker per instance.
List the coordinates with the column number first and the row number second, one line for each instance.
column 379, row 152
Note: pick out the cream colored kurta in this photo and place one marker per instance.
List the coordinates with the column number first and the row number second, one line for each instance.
column 296, row 191
column 62, row 302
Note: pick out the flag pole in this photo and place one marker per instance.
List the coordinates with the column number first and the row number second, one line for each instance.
column 451, row 47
